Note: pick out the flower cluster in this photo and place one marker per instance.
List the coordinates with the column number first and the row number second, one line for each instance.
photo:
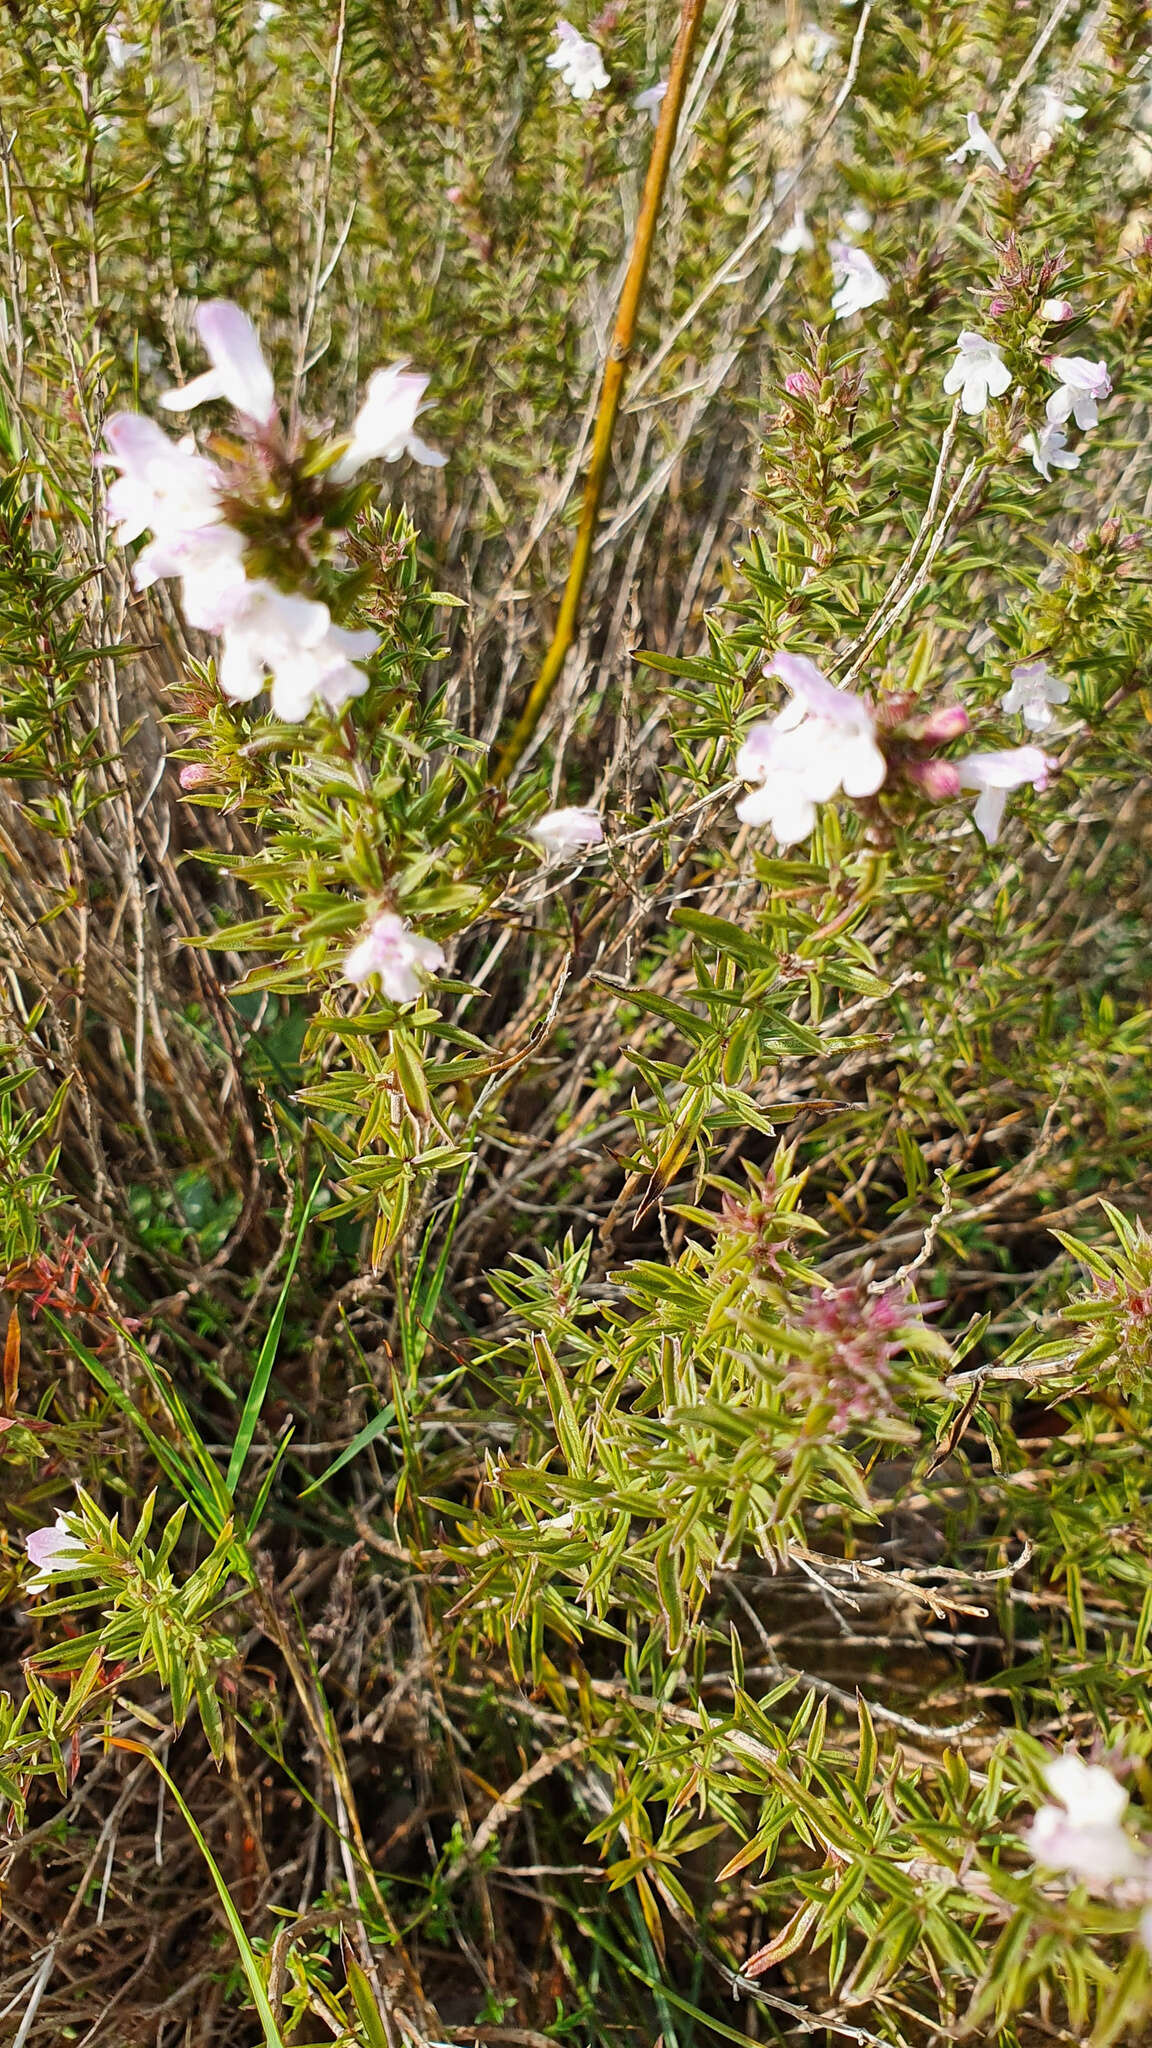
column 979, row 373
column 828, row 739
column 209, row 520
column 856, row 1335
column 1116, row 1317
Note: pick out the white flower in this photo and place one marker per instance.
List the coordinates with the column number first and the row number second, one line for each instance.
column 979, row 143
column 210, row 561
column 1034, row 691
column 385, row 423
column 1055, row 311
column 579, row 62
column 311, row 660
column 797, row 240
column 824, row 740
column 163, row 484
column 994, row 774
column 52, row 1550
column 267, row 12
column 650, row 100
column 1081, row 383
column 239, row 372
column 858, row 282
column 1049, row 451
column 1047, row 112
column 166, row 486
column 120, row 52
column 566, row 831
column 858, row 220
column 1084, row 1835
column 399, row 956
column 979, row 372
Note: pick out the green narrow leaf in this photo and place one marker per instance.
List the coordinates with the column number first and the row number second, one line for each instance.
column 363, row 1437
column 248, row 1958
column 375, row 2033
column 268, row 1350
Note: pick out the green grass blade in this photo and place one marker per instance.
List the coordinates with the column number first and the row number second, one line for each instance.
column 191, row 1470
column 268, row 1350
column 248, row 1958
column 363, row 1437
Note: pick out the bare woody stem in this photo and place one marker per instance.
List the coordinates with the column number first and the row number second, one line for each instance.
column 612, row 390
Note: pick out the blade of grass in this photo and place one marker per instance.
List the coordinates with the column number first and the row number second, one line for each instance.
column 416, row 1310
column 266, row 1484
column 363, row 1437
column 248, row 1958
column 194, row 1475
column 267, row 1359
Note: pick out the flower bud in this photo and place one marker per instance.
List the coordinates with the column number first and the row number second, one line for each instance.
column 945, row 724
column 939, row 780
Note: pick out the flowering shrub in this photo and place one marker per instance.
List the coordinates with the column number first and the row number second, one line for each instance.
column 575, row 1005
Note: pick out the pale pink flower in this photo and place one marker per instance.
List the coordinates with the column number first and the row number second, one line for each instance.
column 166, row 486
column 1084, row 1835
column 385, row 423
column 567, row 831
column 979, row 143
column 163, row 484
column 823, row 741
column 239, row 372
column 1034, row 691
column 210, row 562
column 398, row 955
column 1049, row 450
column 858, row 282
column 651, row 100
column 53, row 1550
column 1082, row 384
column 310, row 660
column 994, row 775
column 579, row 62
column 1055, row 311
column 979, row 372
